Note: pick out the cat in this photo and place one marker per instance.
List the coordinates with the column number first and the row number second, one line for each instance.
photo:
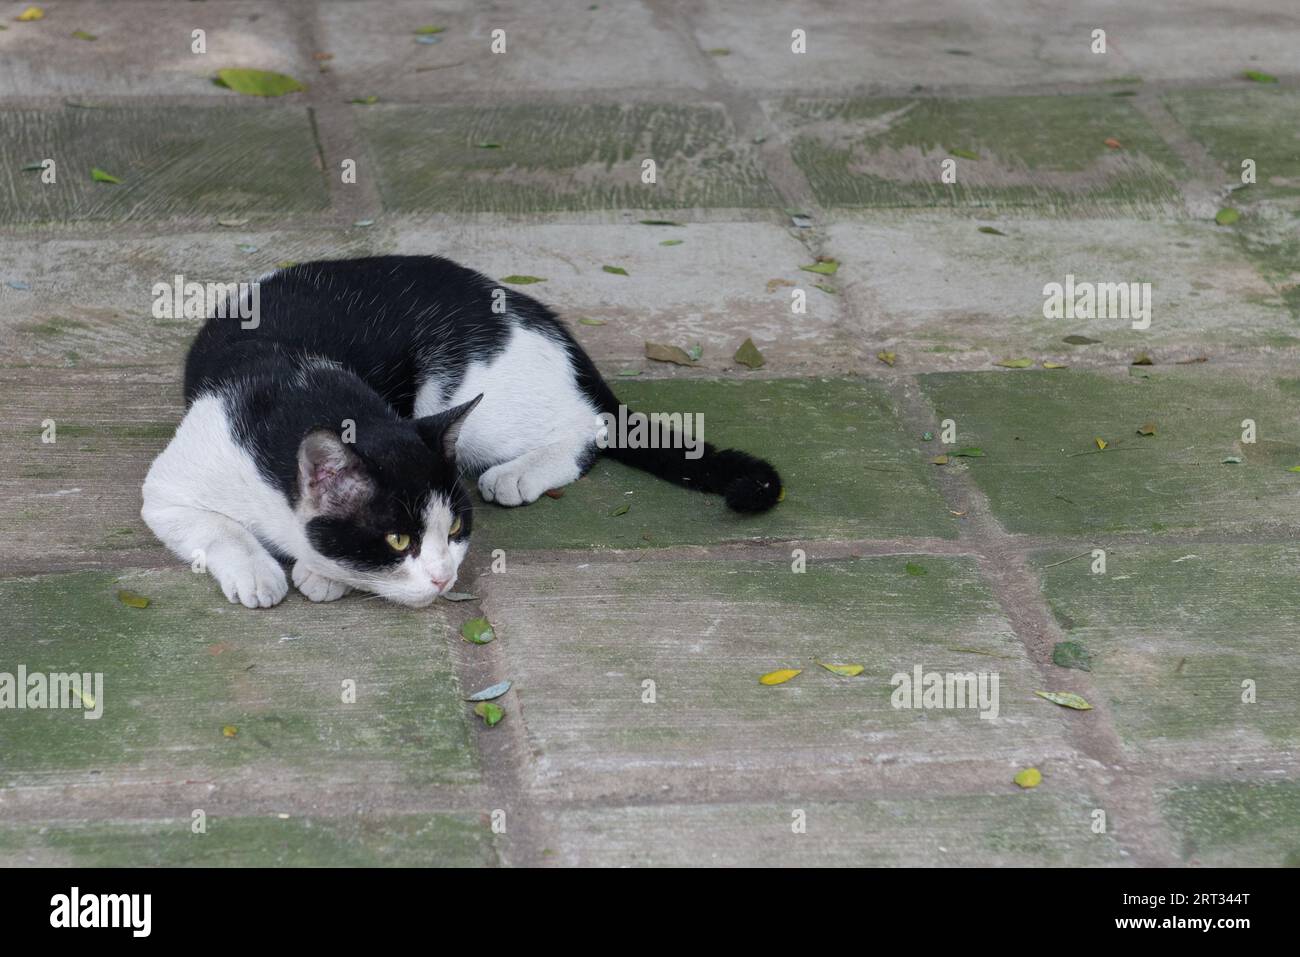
column 331, row 432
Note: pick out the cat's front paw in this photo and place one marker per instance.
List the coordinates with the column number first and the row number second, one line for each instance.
column 255, row 581
column 317, row 587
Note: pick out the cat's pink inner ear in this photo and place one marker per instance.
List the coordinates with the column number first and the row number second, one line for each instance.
column 333, row 479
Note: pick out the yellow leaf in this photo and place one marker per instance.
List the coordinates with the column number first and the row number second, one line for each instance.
column 780, row 676
column 844, row 671
column 1054, row 365
column 1066, row 699
column 1101, row 443
column 1029, row 778
column 31, row 13
column 888, row 358
column 939, row 460
column 780, row 496
column 230, row 731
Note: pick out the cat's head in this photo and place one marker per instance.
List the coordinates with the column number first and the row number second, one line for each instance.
column 387, row 513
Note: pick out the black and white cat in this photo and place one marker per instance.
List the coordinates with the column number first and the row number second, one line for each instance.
column 332, row 434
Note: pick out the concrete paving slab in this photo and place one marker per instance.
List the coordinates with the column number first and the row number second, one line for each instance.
column 1239, row 124
column 1236, row 823
column 1043, row 472
column 1179, row 636
column 524, row 158
column 423, row 840
column 173, row 162
column 580, row 640
column 1004, row 830
column 1046, row 153
column 936, row 290
column 146, row 48
column 634, row 48
column 850, row 471
column 252, row 702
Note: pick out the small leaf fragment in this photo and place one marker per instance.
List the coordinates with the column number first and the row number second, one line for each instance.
column 748, row 355
column 662, row 353
column 965, row 154
column 1112, row 143
column 258, row 82
column 99, row 176
column 1232, row 460
column 888, row 358
column 427, row 30
column 132, row 599
column 83, row 35
column 1014, row 363
column 971, row 452
column 515, row 280
column 477, row 631
column 1048, row 364
column 458, row 596
column 915, row 570
column 614, row 270
column 554, row 493
column 939, row 460
column 1077, row 340
column 488, row 145
column 1258, row 76
column 1071, row 654
column 990, row 231
column 780, row 676
column 621, row 510
column 490, row 692
column 592, row 322
column 1029, row 778
column 1066, row 699
column 844, row 671
column 1142, row 359
column 659, row 222
column 1147, row 428
column 823, row 267
column 232, row 221
column 672, row 242
column 1101, row 443
column 230, row 731
column 365, row 100
column 489, row 712
column 1227, row 216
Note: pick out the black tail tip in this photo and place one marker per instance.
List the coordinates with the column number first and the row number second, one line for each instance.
column 754, row 486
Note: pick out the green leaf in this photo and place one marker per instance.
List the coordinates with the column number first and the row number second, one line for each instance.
column 915, row 570
column 1080, row 340
column 971, row 452
column 615, row 270
column 823, row 267
column 477, row 631
column 663, row 353
column 1232, row 460
column 494, row 691
column 488, row 145
column 1071, row 654
column 83, row 35
column 1029, row 778
column 522, row 280
column 592, row 322
column 965, row 154
column 844, row 671
column 748, row 355
column 695, row 352
column 1065, row 699
column 1014, row 363
column 659, row 222
column 1227, row 216
column 99, row 176
column 258, row 82
column 33, row 167
column 366, row 100
column 991, row 231
column 132, row 599
column 428, row 30
column 489, row 712
column 458, row 596
column 672, row 242
column 621, row 510
column 1259, row 77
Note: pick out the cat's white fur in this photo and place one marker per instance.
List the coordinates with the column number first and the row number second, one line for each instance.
column 206, row 500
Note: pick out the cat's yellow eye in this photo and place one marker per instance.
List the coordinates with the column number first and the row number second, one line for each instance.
column 397, row 542
column 455, row 527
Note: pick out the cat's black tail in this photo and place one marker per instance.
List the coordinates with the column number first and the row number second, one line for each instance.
column 746, row 482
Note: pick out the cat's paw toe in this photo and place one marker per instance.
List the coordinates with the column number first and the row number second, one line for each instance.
column 255, row 582
column 500, row 484
column 317, row 587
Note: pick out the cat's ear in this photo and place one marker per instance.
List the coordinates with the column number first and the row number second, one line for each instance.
column 441, row 431
column 332, row 478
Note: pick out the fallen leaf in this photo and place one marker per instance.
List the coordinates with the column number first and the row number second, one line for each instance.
column 364, row 223
column 1029, row 778
column 1077, row 340
column 488, row 145
column 1112, row 143
column 522, row 280
column 1227, row 216
column 774, row 284
column 83, row 35
column 1294, row 468
column 427, row 30
column 554, row 493
column 493, row 691
column 1054, row 365
column 99, row 176
column 31, row 13
column 1014, row 363
column 695, row 352
column 490, row 713
column 133, row 599
column 592, row 322
column 621, row 510
column 629, row 372
column 844, row 671
column 230, row 731
column 258, row 82
column 1259, row 77
column 232, row 222
column 365, row 100
column 748, row 355
column 719, row 51
column 939, row 460
column 1142, row 359
column 458, row 596
column 779, row 677
column 1232, row 460
column 1071, row 654
column 672, row 242
column 614, row 270
column 1147, row 428
column 888, row 358
column 780, row 496
column 1191, row 362
column 33, row 167
column 477, row 631
column 915, row 570
column 965, row 154
column 1066, row 699
column 990, row 231
column 829, row 290
column 973, row 452
column 659, row 222
column 823, row 267
column 663, row 353
column 1101, row 444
